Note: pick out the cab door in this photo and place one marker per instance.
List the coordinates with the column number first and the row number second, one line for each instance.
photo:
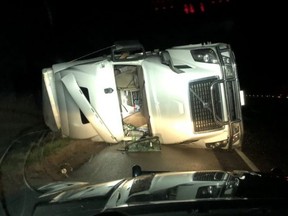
column 106, row 101
column 102, row 109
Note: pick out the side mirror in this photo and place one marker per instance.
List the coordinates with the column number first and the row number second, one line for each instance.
column 166, row 59
column 131, row 49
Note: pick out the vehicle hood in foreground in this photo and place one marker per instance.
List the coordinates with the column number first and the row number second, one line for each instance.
column 161, row 188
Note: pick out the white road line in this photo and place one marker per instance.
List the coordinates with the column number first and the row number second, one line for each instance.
column 252, row 166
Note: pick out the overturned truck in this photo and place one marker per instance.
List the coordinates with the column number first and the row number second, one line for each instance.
column 184, row 94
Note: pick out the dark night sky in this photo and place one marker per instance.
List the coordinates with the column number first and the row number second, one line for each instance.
column 42, row 32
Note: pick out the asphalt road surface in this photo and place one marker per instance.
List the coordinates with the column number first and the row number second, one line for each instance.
column 113, row 163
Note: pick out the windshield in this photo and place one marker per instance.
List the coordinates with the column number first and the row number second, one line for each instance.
column 150, row 108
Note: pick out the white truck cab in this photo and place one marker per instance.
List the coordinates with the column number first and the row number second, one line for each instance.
column 182, row 94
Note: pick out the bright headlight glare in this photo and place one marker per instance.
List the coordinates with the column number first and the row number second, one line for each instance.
column 204, row 55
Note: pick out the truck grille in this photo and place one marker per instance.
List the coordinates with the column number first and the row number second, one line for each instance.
column 201, row 105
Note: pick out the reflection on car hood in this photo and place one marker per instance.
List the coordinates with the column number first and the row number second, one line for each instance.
column 67, row 191
column 169, row 187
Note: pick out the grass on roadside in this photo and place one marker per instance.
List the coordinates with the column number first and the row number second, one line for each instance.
column 51, row 147
column 38, row 152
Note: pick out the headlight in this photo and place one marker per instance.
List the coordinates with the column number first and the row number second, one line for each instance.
column 229, row 71
column 226, row 60
column 236, row 133
column 204, row 55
